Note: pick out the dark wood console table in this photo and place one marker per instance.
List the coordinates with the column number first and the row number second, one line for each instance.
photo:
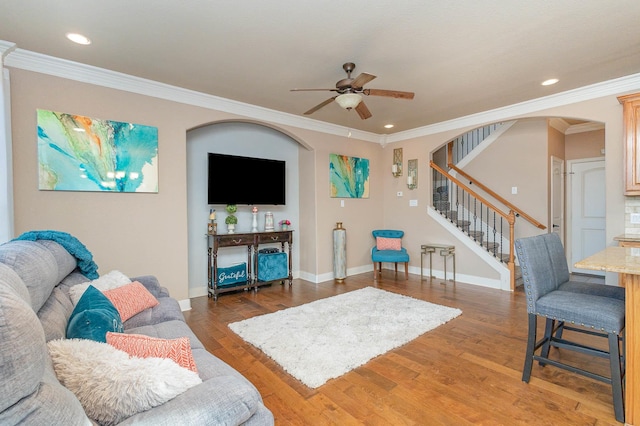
column 251, row 240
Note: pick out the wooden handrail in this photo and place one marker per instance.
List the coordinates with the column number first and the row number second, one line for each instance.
column 491, row 192
column 507, row 216
column 510, row 217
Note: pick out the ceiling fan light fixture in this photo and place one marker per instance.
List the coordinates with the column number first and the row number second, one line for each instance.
column 349, row 100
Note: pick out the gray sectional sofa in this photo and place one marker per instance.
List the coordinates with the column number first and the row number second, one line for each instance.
column 35, row 277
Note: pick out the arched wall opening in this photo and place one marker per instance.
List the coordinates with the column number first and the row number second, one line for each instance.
column 240, row 138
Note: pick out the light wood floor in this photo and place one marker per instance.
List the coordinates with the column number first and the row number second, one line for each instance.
column 465, row 372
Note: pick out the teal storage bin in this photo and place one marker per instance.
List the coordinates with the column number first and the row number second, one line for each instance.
column 232, row 275
column 272, row 266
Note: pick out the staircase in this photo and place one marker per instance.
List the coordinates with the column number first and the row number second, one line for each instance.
column 489, row 225
column 488, row 237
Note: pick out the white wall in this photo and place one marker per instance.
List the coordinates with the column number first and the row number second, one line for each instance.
column 234, row 138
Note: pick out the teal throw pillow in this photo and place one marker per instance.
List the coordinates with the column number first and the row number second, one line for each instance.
column 93, row 317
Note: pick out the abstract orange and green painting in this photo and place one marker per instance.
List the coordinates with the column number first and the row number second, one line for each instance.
column 78, row 153
column 348, row 176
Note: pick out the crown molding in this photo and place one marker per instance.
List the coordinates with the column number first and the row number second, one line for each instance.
column 6, row 47
column 606, row 88
column 559, row 124
column 584, row 127
column 44, row 64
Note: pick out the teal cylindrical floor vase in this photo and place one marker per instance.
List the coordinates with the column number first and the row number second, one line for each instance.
column 339, row 253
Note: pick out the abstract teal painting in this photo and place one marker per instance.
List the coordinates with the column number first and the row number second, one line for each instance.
column 348, row 176
column 77, row 153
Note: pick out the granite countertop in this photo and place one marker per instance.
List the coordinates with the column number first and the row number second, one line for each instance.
column 625, row 260
column 628, row 237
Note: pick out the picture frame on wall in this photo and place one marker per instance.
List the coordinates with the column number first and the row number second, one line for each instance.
column 79, row 153
column 348, row 176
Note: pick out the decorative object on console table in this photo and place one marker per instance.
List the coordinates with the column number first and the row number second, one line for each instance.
column 254, row 221
column 213, row 226
column 284, row 225
column 268, row 222
column 231, row 220
column 339, row 253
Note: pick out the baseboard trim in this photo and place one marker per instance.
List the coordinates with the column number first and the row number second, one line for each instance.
column 320, row 278
column 185, row 304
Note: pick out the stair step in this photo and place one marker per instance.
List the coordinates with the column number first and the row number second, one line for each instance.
column 442, row 206
column 462, row 224
column 490, row 246
column 476, row 235
column 451, row 214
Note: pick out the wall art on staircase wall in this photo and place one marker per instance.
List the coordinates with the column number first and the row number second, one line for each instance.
column 78, row 153
column 349, row 176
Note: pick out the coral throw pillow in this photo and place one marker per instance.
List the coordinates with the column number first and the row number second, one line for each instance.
column 138, row 345
column 383, row 243
column 131, row 299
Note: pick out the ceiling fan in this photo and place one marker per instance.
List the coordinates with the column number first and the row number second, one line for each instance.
column 350, row 91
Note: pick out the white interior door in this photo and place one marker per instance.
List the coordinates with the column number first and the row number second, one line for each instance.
column 587, row 212
column 557, row 197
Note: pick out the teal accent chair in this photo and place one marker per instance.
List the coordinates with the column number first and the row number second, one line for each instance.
column 391, row 256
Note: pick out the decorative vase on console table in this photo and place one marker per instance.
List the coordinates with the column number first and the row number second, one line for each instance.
column 284, row 224
column 254, row 222
column 268, row 222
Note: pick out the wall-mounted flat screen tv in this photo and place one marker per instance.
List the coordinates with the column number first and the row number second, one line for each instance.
column 246, row 180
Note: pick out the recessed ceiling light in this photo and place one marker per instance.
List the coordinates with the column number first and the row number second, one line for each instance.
column 550, row 82
column 78, row 38
column 388, row 126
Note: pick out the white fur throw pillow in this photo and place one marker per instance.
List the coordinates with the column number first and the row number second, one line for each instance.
column 109, row 281
column 112, row 386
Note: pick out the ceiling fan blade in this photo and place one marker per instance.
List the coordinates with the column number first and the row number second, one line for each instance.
column 361, row 80
column 320, row 105
column 363, row 111
column 389, row 93
column 313, row 90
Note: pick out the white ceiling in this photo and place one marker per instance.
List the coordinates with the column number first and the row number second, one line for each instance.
column 459, row 57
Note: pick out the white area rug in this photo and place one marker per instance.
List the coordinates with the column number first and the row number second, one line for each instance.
column 324, row 339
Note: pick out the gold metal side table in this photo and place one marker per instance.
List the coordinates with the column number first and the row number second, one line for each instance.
column 445, row 251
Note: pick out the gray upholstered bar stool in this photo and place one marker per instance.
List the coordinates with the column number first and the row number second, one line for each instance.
column 594, row 310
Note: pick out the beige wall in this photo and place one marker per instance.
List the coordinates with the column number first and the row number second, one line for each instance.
column 519, row 158
column 584, row 145
column 147, row 233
